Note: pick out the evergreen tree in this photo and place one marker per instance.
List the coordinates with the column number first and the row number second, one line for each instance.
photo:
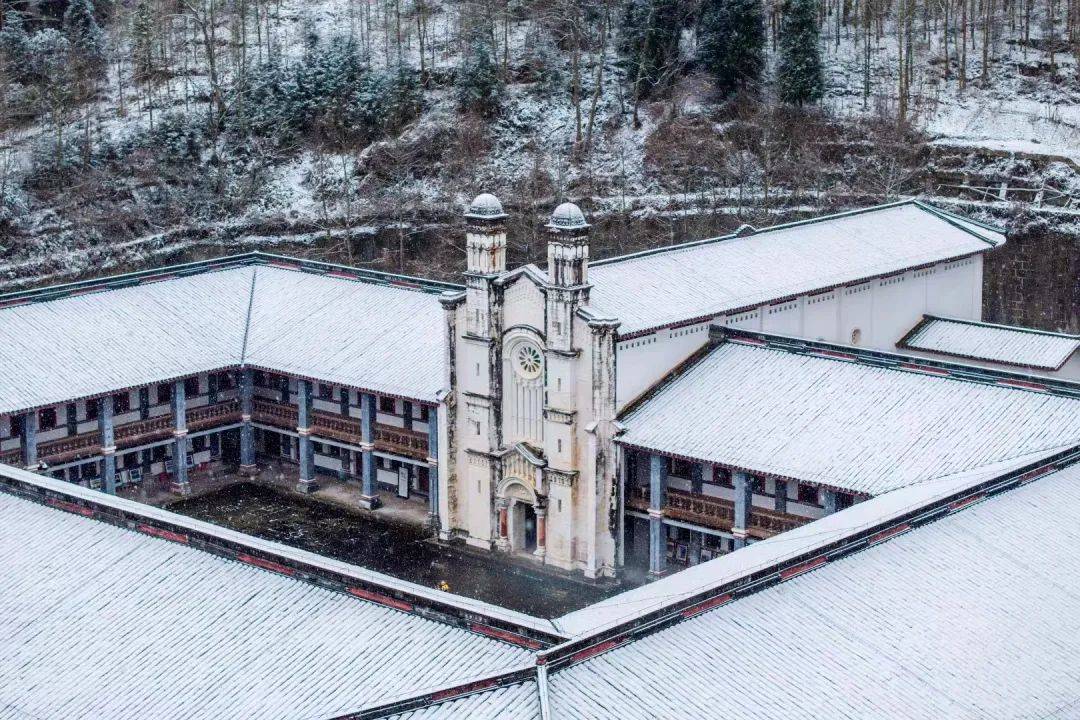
column 800, row 77
column 83, row 32
column 14, row 46
column 142, row 39
column 731, row 43
column 478, row 85
column 650, row 42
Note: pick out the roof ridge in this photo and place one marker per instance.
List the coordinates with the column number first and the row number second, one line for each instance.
column 999, row 326
column 958, row 221
column 944, row 369
column 226, row 262
column 247, row 316
column 734, row 235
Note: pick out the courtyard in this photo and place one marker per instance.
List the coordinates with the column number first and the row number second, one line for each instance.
column 392, row 540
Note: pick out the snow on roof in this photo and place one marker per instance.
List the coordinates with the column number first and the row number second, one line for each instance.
column 784, row 548
column 1024, row 347
column 379, row 338
column 843, row 423
column 512, row 702
column 88, row 344
column 973, row 616
column 373, row 336
column 104, row 622
column 705, row 279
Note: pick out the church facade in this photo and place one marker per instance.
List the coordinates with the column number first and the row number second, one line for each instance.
column 507, row 405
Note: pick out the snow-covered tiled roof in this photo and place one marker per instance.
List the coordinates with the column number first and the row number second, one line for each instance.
column 844, row 423
column 374, row 336
column 970, row 617
column 705, row 279
column 1023, row 347
column 104, row 622
column 520, row 701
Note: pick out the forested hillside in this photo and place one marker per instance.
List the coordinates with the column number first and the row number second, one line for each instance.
column 136, row 131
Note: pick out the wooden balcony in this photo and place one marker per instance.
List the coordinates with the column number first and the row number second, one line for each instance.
column 400, row 441
column 393, row 440
column 208, row 416
column 276, row 414
column 144, row 431
column 69, row 448
column 337, row 427
column 716, row 513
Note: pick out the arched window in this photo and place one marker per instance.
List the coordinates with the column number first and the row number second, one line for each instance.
column 523, row 396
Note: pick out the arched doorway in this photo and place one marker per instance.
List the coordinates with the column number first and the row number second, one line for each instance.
column 523, row 527
column 519, row 530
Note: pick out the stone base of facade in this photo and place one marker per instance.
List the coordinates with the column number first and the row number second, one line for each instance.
column 180, row 488
column 306, row 486
column 249, row 470
column 370, row 502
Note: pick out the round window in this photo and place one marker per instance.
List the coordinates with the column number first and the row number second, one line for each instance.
column 528, row 361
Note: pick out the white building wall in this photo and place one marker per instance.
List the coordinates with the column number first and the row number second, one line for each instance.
column 873, row 314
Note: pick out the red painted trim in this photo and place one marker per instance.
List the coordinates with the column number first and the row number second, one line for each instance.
column 1022, row 384
column 1036, row 473
column 463, row 689
column 163, row 534
column 13, row 303
column 380, row 599
column 834, row 354
column 964, row 502
column 886, row 534
column 342, row 274
column 706, row 605
column 924, row 369
column 71, row 507
column 265, row 564
column 506, row 636
column 597, row 649
column 283, row 264
column 402, row 283
column 156, row 278
column 803, row 568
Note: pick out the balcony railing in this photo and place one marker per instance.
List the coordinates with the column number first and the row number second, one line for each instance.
column 276, row 414
column 223, row 413
column 337, row 427
column 400, row 441
column 716, row 513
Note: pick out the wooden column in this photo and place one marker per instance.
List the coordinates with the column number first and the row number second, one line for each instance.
column 306, row 452
column 433, row 470
column 29, row 439
column 744, row 489
column 108, row 444
column 658, row 476
column 247, row 430
column 180, row 482
column 369, row 494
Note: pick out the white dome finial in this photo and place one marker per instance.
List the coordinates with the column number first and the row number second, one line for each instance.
column 568, row 216
column 485, row 206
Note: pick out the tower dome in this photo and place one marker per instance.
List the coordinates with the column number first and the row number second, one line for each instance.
column 485, row 205
column 568, row 216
